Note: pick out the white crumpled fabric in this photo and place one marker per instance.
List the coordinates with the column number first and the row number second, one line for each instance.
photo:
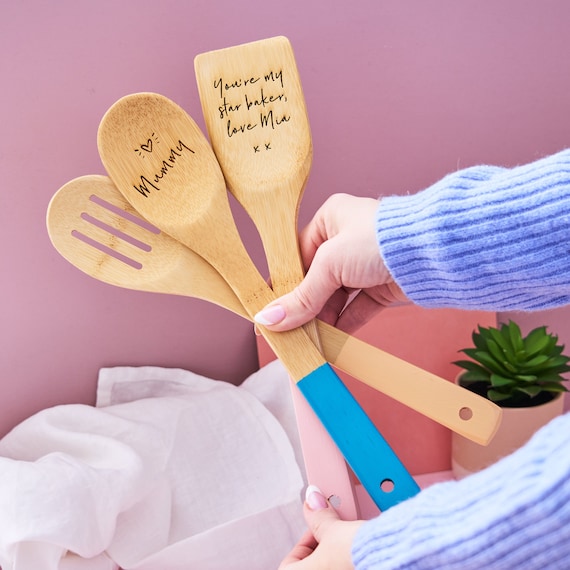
column 169, row 471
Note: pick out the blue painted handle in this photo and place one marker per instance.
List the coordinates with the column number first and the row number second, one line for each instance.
column 370, row 457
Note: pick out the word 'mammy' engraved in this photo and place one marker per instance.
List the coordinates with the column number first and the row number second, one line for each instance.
column 167, row 165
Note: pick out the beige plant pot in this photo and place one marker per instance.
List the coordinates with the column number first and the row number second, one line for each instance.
column 517, row 427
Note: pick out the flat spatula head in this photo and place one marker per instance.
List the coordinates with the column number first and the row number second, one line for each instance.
column 256, row 116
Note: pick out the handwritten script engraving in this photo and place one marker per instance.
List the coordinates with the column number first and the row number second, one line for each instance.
column 152, row 182
column 253, row 103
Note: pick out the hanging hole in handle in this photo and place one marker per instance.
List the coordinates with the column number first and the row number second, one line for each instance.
column 387, row 486
column 465, row 413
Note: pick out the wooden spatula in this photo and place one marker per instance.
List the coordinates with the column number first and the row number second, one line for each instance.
column 161, row 162
column 255, row 114
column 257, row 121
column 93, row 226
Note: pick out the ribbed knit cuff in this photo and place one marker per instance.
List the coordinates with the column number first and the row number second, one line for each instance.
column 484, row 238
column 515, row 514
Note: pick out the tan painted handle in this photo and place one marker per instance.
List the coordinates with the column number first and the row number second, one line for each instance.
column 458, row 409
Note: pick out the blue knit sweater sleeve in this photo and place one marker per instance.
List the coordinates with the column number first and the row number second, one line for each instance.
column 493, row 239
column 513, row 515
column 483, row 238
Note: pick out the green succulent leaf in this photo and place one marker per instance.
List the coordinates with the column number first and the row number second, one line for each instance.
column 478, row 339
column 472, row 376
column 553, row 345
column 536, row 341
column 520, row 356
column 545, row 377
column 496, row 396
column 498, row 381
column 471, row 352
column 557, row 362
column 510, row 367
column 534, row 364
column 553, row 387
column 515, row 336
column 526, row 378
column 487, row 360
column 555, row 350
column 536, row 361
column 468, row 365
column 501, row 341
column 495, row 350
column 531, row 391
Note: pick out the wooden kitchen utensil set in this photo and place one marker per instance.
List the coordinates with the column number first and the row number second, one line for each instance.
column 161, row 222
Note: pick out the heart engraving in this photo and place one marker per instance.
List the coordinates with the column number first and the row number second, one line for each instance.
column 148, row 146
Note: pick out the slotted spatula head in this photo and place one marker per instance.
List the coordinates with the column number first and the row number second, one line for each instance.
column 91, row 225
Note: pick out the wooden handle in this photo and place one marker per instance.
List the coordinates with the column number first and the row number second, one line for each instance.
column 458, row 409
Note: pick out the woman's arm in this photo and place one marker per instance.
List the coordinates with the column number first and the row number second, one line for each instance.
column 483, row 238
column 515, row 514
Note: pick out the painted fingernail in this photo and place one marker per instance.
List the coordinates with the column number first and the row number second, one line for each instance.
column 315, row 498
column 270, row 315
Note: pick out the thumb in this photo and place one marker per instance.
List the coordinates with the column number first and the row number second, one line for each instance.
column 319, row 513
column 305, row 301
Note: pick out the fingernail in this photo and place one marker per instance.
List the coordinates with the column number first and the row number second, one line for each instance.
column 315, row 498
column 270, row 315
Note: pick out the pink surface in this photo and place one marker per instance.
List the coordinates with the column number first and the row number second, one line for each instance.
column 399, row 93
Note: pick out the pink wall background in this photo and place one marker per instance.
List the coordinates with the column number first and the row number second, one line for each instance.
column 399, row 94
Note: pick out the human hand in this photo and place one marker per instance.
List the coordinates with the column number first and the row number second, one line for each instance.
column 328, row 542
column 344, row 264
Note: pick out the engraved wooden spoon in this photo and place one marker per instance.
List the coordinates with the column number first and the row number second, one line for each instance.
column 161, row 162
column 93, row 227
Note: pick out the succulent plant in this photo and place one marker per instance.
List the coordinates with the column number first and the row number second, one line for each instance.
column 513, row 368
